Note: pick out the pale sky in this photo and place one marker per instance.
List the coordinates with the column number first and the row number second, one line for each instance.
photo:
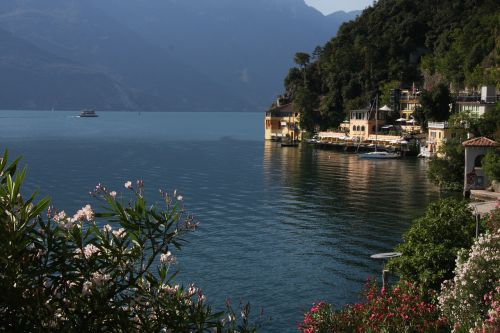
column 330, row 6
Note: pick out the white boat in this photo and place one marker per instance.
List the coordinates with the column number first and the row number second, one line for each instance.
column 378, row 155
column 88, row 114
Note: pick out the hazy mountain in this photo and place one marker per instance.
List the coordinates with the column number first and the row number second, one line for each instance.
column 33, row 78
column 163, row 54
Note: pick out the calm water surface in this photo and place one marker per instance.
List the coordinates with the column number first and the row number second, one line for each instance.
column 280, row 227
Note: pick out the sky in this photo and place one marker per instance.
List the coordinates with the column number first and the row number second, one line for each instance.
column 330, row 6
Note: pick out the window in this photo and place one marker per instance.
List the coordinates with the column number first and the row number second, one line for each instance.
column 353, row 128
column 363, row 128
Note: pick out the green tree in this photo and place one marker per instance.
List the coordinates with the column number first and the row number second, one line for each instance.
column 331, row 110
column 302, row 59
column 446, row 169
column 435, row 104
column 432, row 243
column 491, row 165
column 307, row 103
column 489, row 124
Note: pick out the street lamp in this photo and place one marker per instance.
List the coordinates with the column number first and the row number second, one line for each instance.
column 385, row 257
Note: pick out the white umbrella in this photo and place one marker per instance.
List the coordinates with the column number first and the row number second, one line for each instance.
column 403, row 142
column 385, row 108
column 401, row 119
column 411, row 121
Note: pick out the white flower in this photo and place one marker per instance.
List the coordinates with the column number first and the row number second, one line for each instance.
column 167, row 258
column 120, row 233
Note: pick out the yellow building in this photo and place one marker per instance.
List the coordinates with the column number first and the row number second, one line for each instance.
column 362, row 123
column 439, row 133
column 408, row 103
column 282, row 122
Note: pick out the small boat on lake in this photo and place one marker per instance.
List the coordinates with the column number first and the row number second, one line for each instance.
column 88, row 114
column 290, row 144
column 378, row 155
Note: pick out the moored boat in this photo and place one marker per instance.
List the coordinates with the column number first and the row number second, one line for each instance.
column 379, row 155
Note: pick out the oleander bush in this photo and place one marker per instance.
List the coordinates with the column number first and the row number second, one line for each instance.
column 403, row 308
column 471, row 300
column 93, row 271
column 433, row 241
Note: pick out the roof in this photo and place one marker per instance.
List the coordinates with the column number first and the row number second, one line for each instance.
column 480, row 142
column 283, row 108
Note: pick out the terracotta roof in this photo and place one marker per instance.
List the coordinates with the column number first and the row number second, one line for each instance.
column 480, row 142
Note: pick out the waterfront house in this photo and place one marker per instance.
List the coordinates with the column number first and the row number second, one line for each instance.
column 439, row 133
column 475, row 150
column 362, row 123
column 477, row 103
column 282, row 121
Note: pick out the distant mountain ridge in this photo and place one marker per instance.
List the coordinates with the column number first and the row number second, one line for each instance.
column 156, row 55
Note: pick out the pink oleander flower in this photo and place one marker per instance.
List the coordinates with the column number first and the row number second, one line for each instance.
column 112, row 194
column 86, row 213
column 86, row 288
column 180, row 198
column 128, row 184
column 107, row 228
column 140, row 183
column 59, row 216
column 100, row 279
column 89, row 250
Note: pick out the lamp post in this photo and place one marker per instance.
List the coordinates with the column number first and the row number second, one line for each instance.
column 384, row 257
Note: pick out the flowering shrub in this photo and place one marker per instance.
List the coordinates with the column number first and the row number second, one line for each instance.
column 471, row 299
column 492, row 220
column 404, row 308
column 67, row 273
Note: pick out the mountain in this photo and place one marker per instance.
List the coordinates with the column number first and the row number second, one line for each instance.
column 246, row 44
column 170, row 54
column 34, row 78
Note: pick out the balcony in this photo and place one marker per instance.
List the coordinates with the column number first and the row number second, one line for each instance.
column 438, row 125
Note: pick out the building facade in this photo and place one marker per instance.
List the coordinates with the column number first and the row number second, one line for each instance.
column 362, row 123
column 282, row 122
column 475, row 150
column 439, row 133
column 477, row 104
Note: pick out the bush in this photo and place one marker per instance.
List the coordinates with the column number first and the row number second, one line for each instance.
column 66, row 273
column 471, row 300
column 491, row 165
column 432, row 243
column 446, row 170
column 404, row 308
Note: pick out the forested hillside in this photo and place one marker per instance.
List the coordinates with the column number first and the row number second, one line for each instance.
column 395, row 43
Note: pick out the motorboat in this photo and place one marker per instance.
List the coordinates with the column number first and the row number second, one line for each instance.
column 88, row 114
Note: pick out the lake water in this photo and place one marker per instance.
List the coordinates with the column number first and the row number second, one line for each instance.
column 280, row 227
